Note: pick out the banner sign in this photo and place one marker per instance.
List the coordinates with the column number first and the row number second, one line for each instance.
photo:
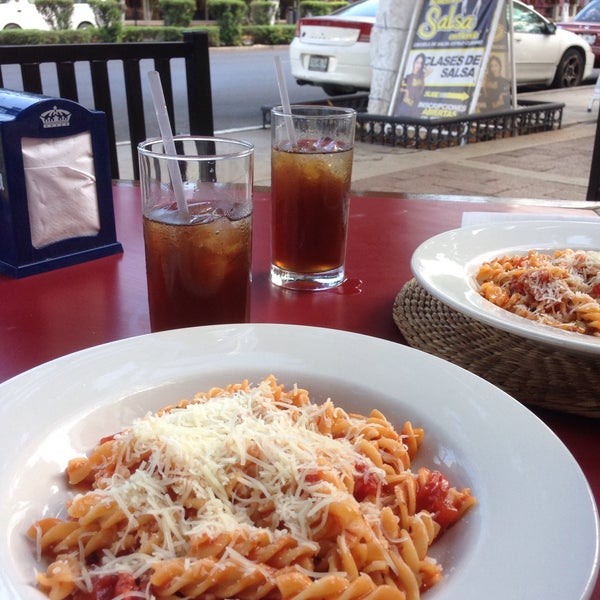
column 446, row 57
column 495, row 92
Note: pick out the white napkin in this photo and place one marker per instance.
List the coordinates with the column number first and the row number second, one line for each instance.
column 61, row 188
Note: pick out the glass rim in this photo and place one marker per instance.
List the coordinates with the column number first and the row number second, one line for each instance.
column 314, row 111
column 244, row 148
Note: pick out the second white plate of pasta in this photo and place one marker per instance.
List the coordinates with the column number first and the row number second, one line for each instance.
column 447, row 266
column 520, row 540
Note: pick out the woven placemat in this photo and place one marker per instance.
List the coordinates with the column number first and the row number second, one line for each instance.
column 533, row 373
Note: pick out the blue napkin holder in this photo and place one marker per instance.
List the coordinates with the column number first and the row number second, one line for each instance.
column 56, row 204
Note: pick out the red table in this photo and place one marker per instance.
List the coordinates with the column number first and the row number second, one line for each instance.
column 51, row 314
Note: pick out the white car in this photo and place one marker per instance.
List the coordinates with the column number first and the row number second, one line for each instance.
column 333, row 51
column 23, row 14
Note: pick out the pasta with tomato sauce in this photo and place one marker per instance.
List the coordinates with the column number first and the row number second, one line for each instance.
column 560, row 289
column 250, row 492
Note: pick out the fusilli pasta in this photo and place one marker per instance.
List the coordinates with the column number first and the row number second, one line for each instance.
column 560, row 289
column 250, row 493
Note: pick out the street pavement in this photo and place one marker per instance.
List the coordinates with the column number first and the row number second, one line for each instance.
column 550, row 165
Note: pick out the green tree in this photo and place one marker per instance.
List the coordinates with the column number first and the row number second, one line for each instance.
column 178, row 13
column 316, row 8
column 109, row 16
column 230, row 16
column 263, row 12
column 57, row 13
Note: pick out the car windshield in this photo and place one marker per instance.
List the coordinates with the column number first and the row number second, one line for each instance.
column 527, row 21
column 591, row 12
column 366, row 8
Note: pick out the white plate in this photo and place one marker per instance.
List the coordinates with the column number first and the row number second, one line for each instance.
column 524, row 540
column 446, row 266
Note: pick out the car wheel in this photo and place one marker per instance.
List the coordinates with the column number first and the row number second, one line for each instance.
column 337, row 90
column 84, row 25
column 570, row 70
column 12, row 26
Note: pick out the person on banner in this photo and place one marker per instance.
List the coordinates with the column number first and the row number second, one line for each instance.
column 413, row 88
column 495, row 92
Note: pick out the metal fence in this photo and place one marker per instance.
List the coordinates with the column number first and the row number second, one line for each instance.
column 431, row 134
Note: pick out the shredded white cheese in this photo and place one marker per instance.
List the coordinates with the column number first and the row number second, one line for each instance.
column 223, row 456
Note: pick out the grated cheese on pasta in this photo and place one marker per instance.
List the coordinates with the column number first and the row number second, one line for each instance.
column 251, row 489
column 560, row 289
column 198, row 451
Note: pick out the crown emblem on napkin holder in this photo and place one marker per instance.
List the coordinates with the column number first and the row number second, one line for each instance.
column 56, row 204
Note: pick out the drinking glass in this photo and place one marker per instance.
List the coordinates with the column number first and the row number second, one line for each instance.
column 311, row 170
column 197, row 220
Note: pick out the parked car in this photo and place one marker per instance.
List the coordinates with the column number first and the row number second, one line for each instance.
column 333, row 51
column 23, row 14
column 586, row 23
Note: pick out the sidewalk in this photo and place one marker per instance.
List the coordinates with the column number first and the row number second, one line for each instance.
column 552, row 165
column 549, row 165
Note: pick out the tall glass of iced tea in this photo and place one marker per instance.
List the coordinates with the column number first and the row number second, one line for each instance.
column 197, row 215
column 311, row 170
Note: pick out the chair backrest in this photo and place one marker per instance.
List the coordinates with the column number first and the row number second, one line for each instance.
column 103, row 58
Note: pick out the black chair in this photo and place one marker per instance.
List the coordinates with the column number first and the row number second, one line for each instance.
column 100, row 57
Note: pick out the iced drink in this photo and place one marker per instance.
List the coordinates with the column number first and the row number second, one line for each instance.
column 310, row 192
column 197, row 223
column 197, row 273
column 311, row 171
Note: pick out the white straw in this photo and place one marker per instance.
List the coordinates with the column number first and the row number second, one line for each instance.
column 160, row 108
column 285, row 102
